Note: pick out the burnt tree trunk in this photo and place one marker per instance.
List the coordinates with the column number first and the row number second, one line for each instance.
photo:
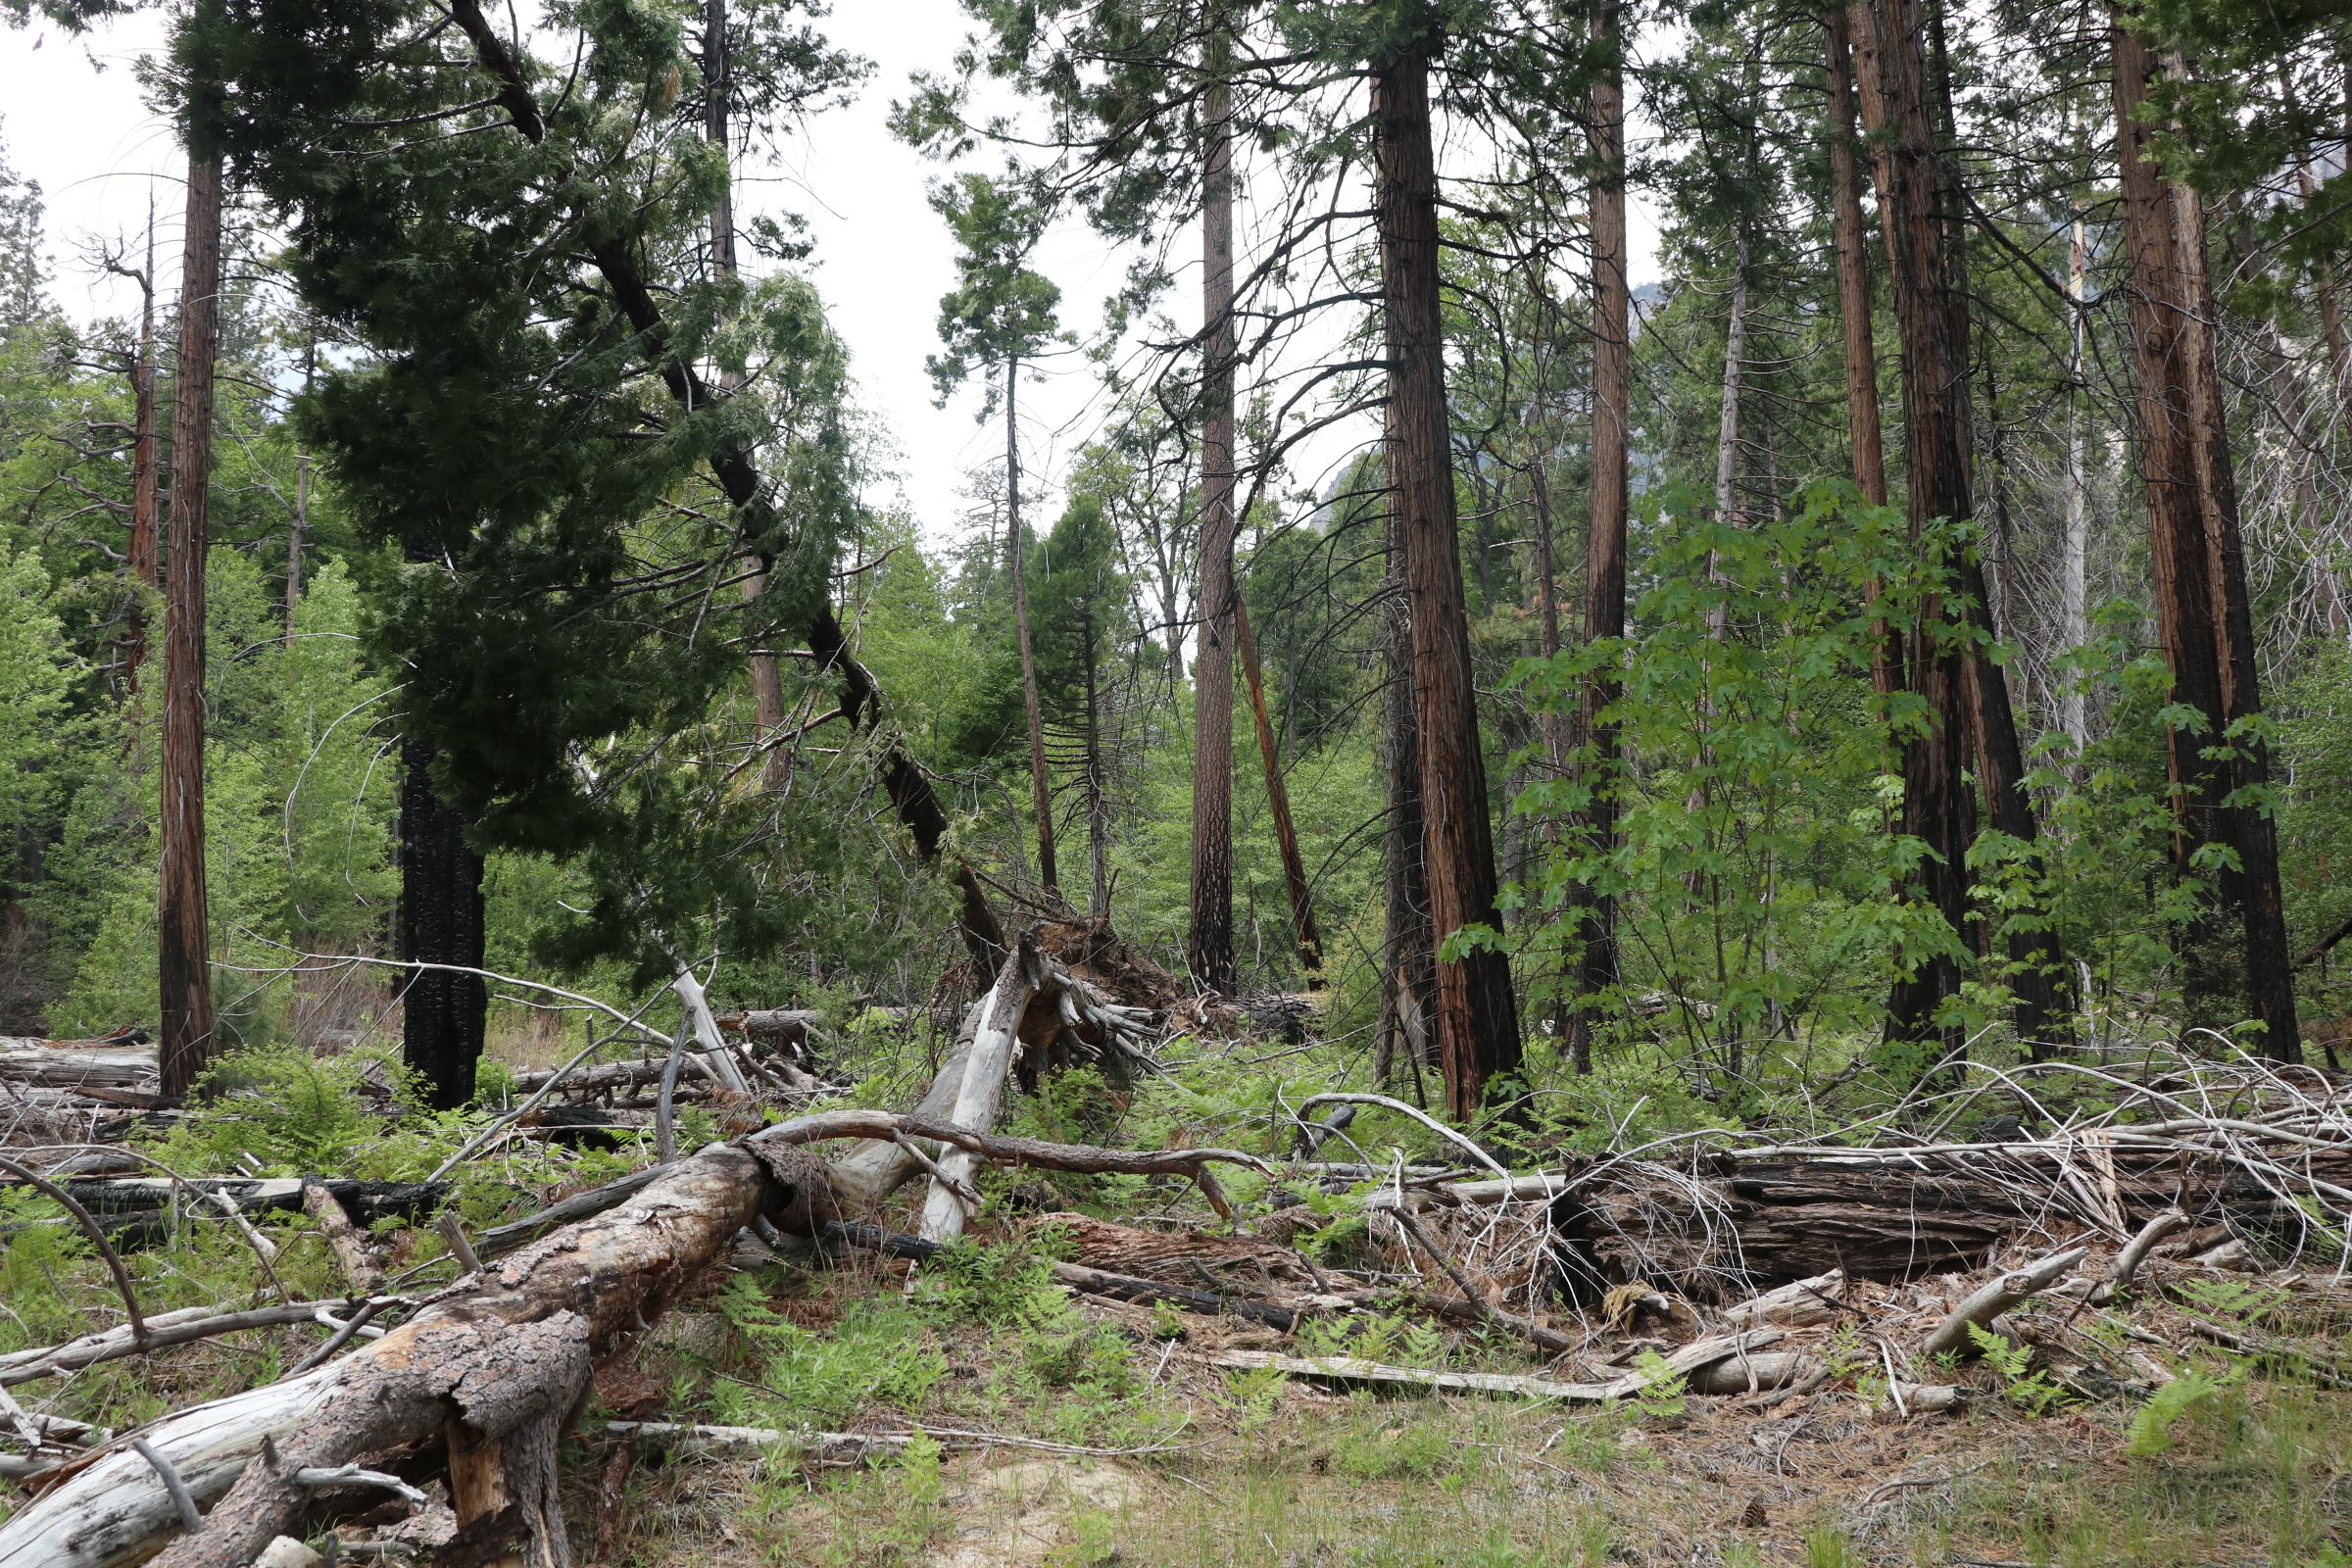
column 1605, row 529
column 1477, row 1031
column 1210, row 949
column 2204, row 622
column 442, row 1012
column 183, row 934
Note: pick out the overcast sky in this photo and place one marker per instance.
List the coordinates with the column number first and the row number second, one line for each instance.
column 76, row 122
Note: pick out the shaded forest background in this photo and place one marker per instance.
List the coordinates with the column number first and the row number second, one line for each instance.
column 550, row 607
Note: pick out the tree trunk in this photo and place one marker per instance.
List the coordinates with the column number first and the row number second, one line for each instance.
column 1278, row 800
column 1410, row 998
column 1853, row 308
column 1212, row 943
column 2269, row 967
column 1477, row 1017
column 1098, row 815
column 184, row 942
column 1598, row 967
column 2074, row 565
column 1041, row 789
column 2204, row 623
column 442, row 1012
column 1938, row 809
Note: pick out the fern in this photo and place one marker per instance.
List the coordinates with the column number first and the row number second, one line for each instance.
column 2151, row 1430
column 1662, row 1387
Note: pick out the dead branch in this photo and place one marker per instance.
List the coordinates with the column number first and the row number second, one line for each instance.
column 343, row 1239
column 1347, row 1369
column 1995, row 1297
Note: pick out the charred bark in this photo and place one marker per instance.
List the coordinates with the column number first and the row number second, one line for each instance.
column 442, row 1012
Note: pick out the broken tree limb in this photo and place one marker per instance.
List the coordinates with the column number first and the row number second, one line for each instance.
column 1486, row 1311
column 1347, row 1369
column 507, row 1350
column 1002, row 1149
column 707, row 1037
column 1995, row 1297
column 164, row 1330
column 981, row 1095
column 2135, row 1253
column 500, row 1240
column 877, row 1167
column 90, row 1227
column 1421, row 1116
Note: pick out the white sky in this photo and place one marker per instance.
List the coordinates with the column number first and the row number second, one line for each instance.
column 76, row 122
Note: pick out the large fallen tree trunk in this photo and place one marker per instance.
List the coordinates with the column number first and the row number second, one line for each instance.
column 493, row 1363
column 33, row 1061
column 490, row 1365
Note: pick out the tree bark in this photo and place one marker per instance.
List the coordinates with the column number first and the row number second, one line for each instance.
column 1477, row 1016
column 1938, row 809
column 1598, row 967
column 1278, row 800
column 1041, row 788
column 442, row 1012
column 1211, row 937
column 1410, row 997
column 184, row 941
column 1863, row 432
column 2204, row 622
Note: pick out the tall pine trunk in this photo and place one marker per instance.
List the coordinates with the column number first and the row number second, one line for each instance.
column 1863, row 433
column 1939, row 810
column 183, row 968
column 1477, row 1024
column 1041, row 788
column 2204, row 622
column 1598, row 967
column 1212, row 943
column 1097, row 813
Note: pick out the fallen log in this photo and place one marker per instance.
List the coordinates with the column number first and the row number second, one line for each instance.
column 981, row 1092
column 32, row 1061
column 1690, row 1359
column 164, row 1330
column 492, row 1363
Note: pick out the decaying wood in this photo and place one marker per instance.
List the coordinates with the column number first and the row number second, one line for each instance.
column 981, row 1094
column 1347, row 1369
column 1754, row 1374
column 34, row 1062
column 350, row 1248
column 507, row 1350
column 2136, row 1252
column 1995, row 1297
column 1801, row 1303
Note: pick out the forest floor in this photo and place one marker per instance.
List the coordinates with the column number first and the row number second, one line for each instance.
column 1200, row 1466
column 1006, row 1422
